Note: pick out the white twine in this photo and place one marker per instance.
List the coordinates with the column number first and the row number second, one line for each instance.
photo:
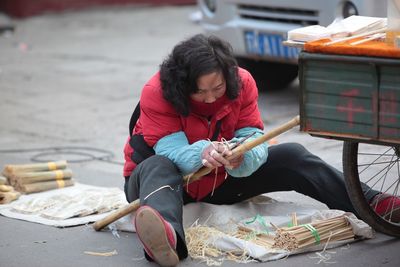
column 162, row 187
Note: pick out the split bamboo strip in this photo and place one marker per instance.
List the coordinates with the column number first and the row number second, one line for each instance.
column 258, row 238
column 371, row 38
column 39, row 176
column 47, row 166
column 294, row 219
column 104, row 254
column 383, row 29
column 44, row 186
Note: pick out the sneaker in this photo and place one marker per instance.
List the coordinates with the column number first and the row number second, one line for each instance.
column 387, row 206
column 157, row 236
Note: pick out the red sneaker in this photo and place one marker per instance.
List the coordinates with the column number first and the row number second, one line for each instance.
column 387, row 206
column 157, row 236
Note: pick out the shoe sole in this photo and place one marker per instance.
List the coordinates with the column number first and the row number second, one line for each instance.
column 391, row 214
column 151, row 231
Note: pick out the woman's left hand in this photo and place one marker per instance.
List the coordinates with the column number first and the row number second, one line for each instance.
column 234, row 163
column 214, row 155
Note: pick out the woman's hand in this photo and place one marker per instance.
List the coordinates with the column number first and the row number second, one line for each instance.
column 214, row 155
column 234, row 163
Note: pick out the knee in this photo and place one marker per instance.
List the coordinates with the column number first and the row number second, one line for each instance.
column 157, row 160
column 156, row 163
column 289, row 154
column 293, row 150
column 155, row 167
column 298, row 149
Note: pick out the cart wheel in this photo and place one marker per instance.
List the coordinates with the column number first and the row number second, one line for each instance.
column 378, row 167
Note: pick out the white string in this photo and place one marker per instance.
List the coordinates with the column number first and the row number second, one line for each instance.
column 162, row 187
column 226, row 145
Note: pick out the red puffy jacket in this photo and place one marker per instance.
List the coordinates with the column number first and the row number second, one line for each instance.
column 158, row 119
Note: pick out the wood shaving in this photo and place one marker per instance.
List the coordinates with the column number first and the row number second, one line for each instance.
column 103, row 254
column 200, row 246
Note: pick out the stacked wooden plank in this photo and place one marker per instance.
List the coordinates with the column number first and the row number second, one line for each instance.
column 38, row 177
column 7, row 192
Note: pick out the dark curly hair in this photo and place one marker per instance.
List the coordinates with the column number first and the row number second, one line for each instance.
column 192, row 58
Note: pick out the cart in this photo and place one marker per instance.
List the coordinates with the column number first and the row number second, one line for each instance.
column 356, row 99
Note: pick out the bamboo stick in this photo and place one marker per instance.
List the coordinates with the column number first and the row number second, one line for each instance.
column 356, row 36
column 44, row 186
column 371, row 38
column 294, row 219
column 100, row 224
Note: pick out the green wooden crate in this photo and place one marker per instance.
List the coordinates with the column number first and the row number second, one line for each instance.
column 350, row 97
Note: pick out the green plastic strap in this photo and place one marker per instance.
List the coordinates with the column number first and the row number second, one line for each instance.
column 314, row 232
column 261, row 220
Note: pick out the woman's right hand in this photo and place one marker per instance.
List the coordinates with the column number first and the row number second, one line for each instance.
column 214, row 154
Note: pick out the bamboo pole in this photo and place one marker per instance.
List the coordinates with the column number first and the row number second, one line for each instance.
column 133, row 206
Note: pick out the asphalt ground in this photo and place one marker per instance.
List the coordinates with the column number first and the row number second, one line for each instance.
column 72, row 80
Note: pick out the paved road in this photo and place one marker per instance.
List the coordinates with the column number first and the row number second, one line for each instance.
column 72, row 80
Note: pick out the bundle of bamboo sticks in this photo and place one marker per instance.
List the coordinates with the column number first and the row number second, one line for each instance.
column 7, row 192
column 200, row 239
column 38, row 177
column 315, row 233
column 303, row 236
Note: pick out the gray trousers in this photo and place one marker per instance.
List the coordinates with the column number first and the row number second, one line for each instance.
column 158, row 183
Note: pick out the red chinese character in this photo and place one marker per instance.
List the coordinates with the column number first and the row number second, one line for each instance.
column 349, row 106
column 388, row 108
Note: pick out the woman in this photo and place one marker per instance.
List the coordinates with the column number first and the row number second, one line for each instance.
column 198, row 99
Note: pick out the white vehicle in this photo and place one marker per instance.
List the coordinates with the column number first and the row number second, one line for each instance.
column 256, row 29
